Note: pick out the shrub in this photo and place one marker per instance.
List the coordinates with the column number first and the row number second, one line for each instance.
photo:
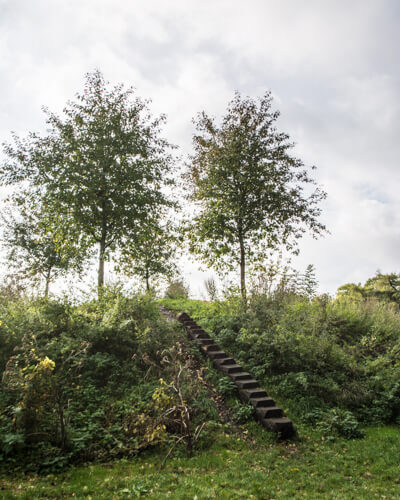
column 79, row 380
column 314, row 353
column 226, row 387
column 242, row 413
column 177, row 290
column 339, row 423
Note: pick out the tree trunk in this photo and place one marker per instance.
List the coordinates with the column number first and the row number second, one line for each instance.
column 100, row 276
column 47, row 284
column 147, row 281
column 242, row 270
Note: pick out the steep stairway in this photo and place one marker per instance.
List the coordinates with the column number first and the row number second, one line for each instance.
column 265, row 411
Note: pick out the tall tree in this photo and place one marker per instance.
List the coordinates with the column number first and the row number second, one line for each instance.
column 37, row 245
column 102, row 164
column 250, row 191
column 151, row 254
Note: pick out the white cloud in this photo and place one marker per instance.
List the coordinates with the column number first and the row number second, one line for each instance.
column 332, row 67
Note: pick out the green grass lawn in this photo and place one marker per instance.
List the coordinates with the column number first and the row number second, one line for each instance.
column 244, row 464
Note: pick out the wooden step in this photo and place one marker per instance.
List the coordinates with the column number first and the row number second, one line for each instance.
column 206, row 341
column 231, row 368
column 263, row 402
column 182, row 316
column 189, row 323
column 248, row 394
column 247, row 384
column 211, row 347
column 195, row 329
column 240, row 376
column 201, row 335
column 217, row 356
column 269, row 412
column 226, row 361
column 282, row 425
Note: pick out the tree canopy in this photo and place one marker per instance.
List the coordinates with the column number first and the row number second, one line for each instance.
column 151, row 254
column 37, row 246
column 102, row 165
column 250, row 192
column 385, row 287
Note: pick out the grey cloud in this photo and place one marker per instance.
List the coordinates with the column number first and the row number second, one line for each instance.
column 332, row 67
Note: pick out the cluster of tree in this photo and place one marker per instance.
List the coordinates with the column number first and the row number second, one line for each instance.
column 102, row 176
column 385, row 287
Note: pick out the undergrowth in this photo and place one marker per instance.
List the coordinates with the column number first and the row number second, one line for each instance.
column 94, row 381
column 338, row 358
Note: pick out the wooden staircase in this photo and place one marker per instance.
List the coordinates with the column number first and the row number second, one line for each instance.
column 266, row 413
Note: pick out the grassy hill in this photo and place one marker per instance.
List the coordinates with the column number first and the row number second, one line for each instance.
column 108, row 399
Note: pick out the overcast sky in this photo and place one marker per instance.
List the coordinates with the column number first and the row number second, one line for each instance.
column 332, row 66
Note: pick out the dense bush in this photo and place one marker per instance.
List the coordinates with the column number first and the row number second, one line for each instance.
column 335, row 423
column 92, row 381
column 318, row 353
column 110, row 377
column 242, row 412
column 177, row 290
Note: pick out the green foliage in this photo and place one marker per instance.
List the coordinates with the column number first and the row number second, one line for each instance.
column 36, row 249
column 177, row 289
column 12, row 288
column 242, row 413
column 309, row 282
column 334, row 423
column 82, row 382
column 249, row 188
column 181, row 402
column 278, row 278
column 384, row 287
column 226, row 387
column 100, row 167
column 151, row 254
column 313, row 353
